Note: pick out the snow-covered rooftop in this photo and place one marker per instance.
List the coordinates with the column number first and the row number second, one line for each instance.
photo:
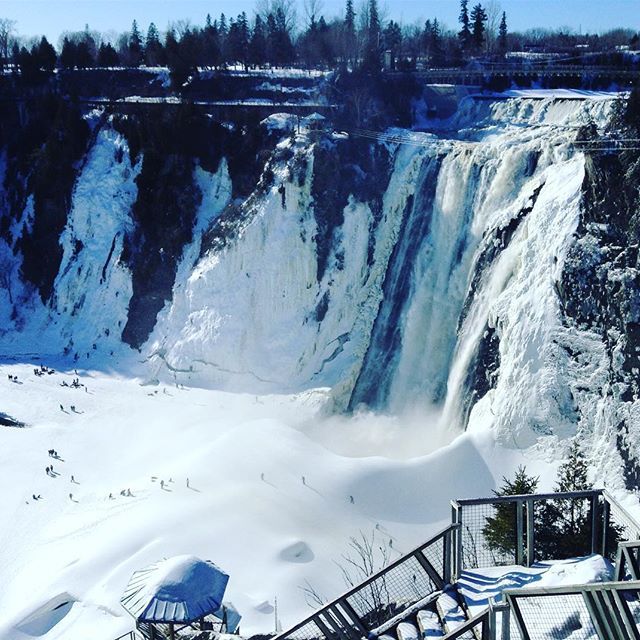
column 179, row 589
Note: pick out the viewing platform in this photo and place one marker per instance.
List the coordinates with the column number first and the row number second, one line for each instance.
column 500, row 572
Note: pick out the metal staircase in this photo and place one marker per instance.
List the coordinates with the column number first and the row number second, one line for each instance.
column 416, row 597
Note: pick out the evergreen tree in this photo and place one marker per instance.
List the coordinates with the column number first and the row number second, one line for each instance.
column 223, row 31
column 502, row 34
column 243, row 39
column 326, row 44
column 464, row 34
column 136, row 53
column 258, row 43
column 107, row 56
column 280, row 48
column 45, row 55
column 563, row 527
column 153, row 49
column 349, row 52
column 479, row 21
column 437, row 48
column 426, row 39
column 238, row 40
column 84, row 59
column 392, row 39
column 211, row 52
column 68, row 54
column 500, row 530
column 28, row 64
column 373, row 53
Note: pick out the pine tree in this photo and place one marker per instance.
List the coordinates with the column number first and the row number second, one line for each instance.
column 478, row 20
column 373, row 54
column 437, row 49
column 135, row 45
column 464, row 35
column 153, row 49
column 258, row 43
column 107, row 56
column 211, row 44
column 426, row 39
column 502, row 34
column 563, row 527
column 350, row 53
column 68, row 54
column 500, row 530
column 392, row 38
column 45, row 55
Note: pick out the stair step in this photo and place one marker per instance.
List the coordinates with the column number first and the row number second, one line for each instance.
column 451, row 612
column 386, row 636
column 407, row 631
column 429, row 624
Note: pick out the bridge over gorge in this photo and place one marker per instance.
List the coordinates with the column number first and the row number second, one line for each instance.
column 222, row 109
column 549, row 72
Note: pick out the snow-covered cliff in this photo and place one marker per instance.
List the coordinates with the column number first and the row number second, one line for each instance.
column 410, row 270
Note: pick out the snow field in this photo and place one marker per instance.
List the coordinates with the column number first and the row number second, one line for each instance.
column 270, row 532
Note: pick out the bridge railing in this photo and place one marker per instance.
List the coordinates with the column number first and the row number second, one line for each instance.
column 383, row 596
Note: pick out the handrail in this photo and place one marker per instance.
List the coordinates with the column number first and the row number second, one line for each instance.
column 611, row 500
column 563, row 495
column 340, row 600
column 604, row 603
column 481, row 618
column 569, row 589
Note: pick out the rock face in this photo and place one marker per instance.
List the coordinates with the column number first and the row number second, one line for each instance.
column 490, row 274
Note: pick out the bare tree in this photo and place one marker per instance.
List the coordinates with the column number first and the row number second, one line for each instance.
column 365, row 556
column 312, row 596
column 312, row 10
column 6, row 30
column 493, row 11
column 288, row 8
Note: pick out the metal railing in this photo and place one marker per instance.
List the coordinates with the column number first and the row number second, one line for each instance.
column 628, row 561
column 524, row 529
column 478, row 628
column 608, row 611
column 382, row 596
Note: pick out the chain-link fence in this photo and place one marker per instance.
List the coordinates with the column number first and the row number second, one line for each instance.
column 488, row 534
column 392, row 592
column 607, row 610
column 555, row 617
column 620, row 526
column 383, row 596
column 510, row 530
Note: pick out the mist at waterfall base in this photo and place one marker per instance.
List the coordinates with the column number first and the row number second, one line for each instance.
column 439, row 312
column 416, row 431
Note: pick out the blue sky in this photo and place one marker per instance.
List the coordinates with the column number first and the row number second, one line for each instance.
column 51, row 17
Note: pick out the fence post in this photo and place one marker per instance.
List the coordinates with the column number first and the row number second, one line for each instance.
column 606, row 515
column 447, row 551
column 530, row 533
column 517, row 614
column 519, row 533
column 456, row 517
column 355, row 618
column 594, row 523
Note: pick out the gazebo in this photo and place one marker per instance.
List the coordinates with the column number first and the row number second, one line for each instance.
column 174, row 594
